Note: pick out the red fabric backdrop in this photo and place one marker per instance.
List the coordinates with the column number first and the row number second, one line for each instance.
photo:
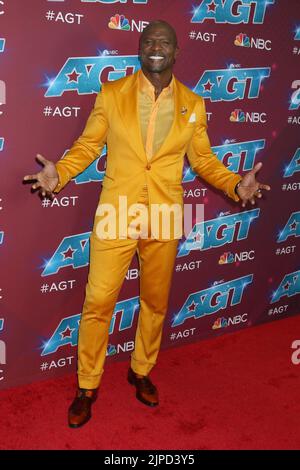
column 243, row 57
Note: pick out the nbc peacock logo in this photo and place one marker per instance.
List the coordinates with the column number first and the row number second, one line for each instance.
column 119, row 22
column 237, row 116
column 242, row 40
column 220, row 323
column 226, row 258
column 111, row 350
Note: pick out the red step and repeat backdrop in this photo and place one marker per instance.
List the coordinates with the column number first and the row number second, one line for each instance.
column 241, row 266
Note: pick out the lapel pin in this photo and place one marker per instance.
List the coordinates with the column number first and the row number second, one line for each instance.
column 183, row 110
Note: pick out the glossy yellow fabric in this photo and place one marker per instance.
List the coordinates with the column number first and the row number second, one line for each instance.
column 115, row 120
column 109, row 262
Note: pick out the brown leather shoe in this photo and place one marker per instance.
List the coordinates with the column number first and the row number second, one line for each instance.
column 80, row 410
column 146, row 392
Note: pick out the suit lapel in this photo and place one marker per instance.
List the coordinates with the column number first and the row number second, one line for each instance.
column 127, row 102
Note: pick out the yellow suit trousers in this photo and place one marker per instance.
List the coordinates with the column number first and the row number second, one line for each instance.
column 109, row 263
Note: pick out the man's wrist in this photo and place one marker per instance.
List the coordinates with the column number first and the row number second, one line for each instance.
column 237, row 187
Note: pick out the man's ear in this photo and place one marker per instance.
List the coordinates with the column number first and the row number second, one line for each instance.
column 176, row 52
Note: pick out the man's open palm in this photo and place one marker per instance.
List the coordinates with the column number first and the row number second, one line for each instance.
column 46, row 180
column 249, row 188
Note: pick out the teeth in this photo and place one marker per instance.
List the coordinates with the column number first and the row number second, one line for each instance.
column 156, row 57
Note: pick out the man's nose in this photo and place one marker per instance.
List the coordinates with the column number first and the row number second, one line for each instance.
column 156, row 46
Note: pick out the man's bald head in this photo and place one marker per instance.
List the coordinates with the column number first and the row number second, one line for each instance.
column 160, row 24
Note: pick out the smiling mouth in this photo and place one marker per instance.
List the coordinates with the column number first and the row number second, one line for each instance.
column 156, row 57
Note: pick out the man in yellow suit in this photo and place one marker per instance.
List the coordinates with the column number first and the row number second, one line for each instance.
column 149, row 121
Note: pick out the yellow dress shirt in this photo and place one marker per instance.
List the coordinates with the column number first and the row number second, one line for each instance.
column 156, row 116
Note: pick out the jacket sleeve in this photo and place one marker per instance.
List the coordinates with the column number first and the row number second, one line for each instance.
column 87, row 147
column 205, row 163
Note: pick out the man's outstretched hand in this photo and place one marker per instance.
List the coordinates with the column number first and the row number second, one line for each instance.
column 249, row 188
column 46, row 180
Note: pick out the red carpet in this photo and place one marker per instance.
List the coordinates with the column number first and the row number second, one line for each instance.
column 237, row 391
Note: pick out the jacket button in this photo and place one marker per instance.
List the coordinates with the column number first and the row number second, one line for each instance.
column 148, row 167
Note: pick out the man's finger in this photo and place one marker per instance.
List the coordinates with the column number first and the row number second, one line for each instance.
column 41, row 159
column 30, row 177
column 36, row 185
column 256, row 168
column 264, row 186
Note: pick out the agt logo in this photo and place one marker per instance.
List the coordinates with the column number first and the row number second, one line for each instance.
column 2, row 44
column 295, row 98
column 92, row 173
column 291, row 229
column 85, row 75
column 297, row 34
column 231, row 11
column 66, row 332
column 73, row 251
column 228, row 257
column 236, row 156
column 289, row 286
column 1, row 236
column 211, row 300
column 121, row 23
column 294, row 165
column 225, row 322
column 242, row 40
column 239, row 116
column 230, row 84
column 1, row 143
column 218, row 232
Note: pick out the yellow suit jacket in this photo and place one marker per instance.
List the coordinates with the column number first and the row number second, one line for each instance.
column 115, row 120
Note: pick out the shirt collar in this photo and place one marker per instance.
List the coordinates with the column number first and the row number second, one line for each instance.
column 145, row 86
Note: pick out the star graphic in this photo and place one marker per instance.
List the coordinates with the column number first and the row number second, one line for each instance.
column 207, row 86
column 68, row 253
column 197, row 237
column 287, row 285
column 293, row 226
column 211, row 7
column 73, row 76
column 192, row 307
column 67, row 333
